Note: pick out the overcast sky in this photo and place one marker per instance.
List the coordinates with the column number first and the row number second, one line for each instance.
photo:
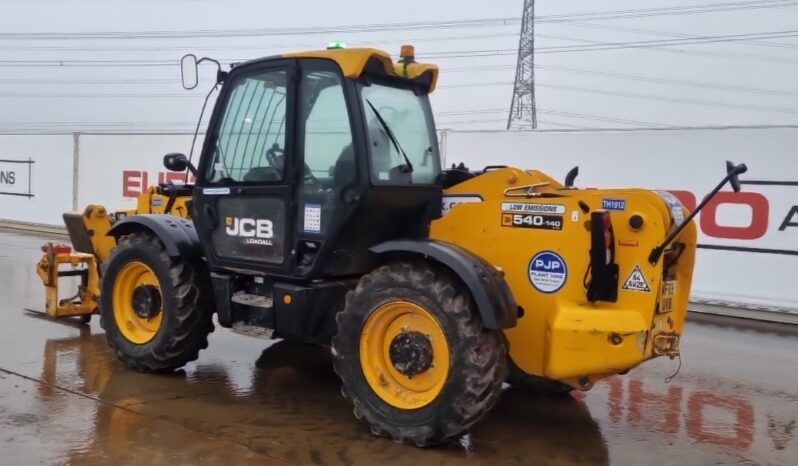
column 83, row 80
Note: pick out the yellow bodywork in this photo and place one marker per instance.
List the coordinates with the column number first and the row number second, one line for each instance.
column 81, row 264
column 92, row 246
column 562, row 335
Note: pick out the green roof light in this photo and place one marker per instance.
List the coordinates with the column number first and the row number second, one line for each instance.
column 336, row 44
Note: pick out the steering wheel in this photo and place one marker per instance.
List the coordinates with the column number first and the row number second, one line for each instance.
column 276, row 156
column 308, row 176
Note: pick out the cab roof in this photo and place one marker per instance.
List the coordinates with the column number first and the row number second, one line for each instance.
column 354, row 61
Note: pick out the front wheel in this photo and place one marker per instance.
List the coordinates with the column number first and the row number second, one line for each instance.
column 155, row 308
column 414, row 357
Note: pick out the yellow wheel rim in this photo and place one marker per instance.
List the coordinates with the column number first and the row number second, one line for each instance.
column 134, row 327
column 383, row 326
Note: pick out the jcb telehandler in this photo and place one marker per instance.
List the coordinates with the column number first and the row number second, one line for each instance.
column 321, row 214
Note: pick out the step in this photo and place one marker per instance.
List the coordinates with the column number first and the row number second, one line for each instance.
column 253, row 331
column 255, row 300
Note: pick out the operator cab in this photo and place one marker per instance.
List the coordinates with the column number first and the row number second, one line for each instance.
column 312, row 158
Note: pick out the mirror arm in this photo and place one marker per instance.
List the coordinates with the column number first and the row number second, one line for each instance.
column 220, row 75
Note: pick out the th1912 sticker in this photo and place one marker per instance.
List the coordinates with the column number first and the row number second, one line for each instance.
column 613, row 204
column 547, row 271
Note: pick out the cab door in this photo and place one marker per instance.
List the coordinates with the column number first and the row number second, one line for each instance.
column 243, row 201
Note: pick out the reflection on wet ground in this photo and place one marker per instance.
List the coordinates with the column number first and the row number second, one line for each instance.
column 65, row 399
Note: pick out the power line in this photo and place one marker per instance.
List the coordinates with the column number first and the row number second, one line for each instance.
column 598, row 46
column 670, row 82
column 90, row 82
column 667, row 11
column 294, row 31
column 587, row 116
column 710, row 103
column 669, row 49
column 646, row 79
column 195, row 47
column 549, row 111
column 58, row 95
column 662, row 42
column 671, row 34
column 388, row 27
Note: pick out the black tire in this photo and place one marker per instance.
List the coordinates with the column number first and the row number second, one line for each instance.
column 535, row 384
column 187, row 313
column 478, row 357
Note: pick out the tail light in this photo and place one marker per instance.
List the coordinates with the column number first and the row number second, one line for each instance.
column 59, row 248
column 603, row 272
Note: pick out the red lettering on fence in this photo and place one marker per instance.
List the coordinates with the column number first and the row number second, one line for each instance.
column 759, row 216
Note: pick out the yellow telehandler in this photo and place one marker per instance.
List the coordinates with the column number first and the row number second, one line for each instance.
column 321, row 214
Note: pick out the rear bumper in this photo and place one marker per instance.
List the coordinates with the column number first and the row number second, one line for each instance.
column 583, row 342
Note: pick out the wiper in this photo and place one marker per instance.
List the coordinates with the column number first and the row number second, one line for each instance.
column 392, row 137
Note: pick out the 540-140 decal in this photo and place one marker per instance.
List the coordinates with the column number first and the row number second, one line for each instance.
column 544, row 222
column 532, row 215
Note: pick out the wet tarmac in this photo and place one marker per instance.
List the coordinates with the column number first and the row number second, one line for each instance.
column 64, row 399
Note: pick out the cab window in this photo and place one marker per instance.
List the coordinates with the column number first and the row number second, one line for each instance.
column 250, row 143
column 401, row 136
column 329, row 157
column 328, row 154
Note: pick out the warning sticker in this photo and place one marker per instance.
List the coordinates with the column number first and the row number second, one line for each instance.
column 636, row 281
column 547, row 271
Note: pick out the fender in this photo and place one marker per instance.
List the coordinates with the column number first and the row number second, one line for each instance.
column 177, row 234
column 490, row 291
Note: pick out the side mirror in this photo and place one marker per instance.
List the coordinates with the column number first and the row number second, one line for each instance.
column 734, row 171
column 188, row 71
column 175, row 162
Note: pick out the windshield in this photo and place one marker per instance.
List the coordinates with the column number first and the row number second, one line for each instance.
column 409, row 121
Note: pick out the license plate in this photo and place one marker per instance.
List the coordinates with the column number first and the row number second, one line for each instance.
column 666, row 296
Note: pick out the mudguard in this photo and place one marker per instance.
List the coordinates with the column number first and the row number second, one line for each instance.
column 490, row 291
column 177, row 234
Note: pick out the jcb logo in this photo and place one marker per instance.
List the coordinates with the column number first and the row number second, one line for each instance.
column 256, row 230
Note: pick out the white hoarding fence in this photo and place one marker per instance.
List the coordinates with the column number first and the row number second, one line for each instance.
column 114, row 169
column 748, row 240
column 35, row 177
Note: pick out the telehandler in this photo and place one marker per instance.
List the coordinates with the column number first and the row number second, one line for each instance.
column 321, row 214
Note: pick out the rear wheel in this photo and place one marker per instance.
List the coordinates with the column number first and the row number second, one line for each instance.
column 155, row 309
column 414, row 357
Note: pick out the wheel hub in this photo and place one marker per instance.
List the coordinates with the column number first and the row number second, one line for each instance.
column 146, row 301
column 411, row 353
